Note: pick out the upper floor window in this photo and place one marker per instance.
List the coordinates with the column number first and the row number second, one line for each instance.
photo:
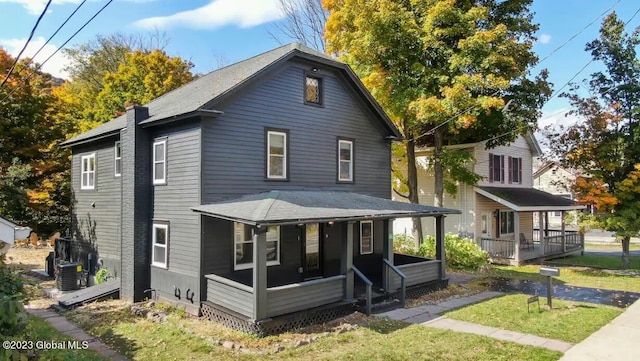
column 515, row 170
column 276, row 154
column 507, row 222
column 160, row 162
column 366, row 237
column 160, row 241
column 345, row 160
column 313, row 90
column 496, row 168
column 88, row 171
column 118, row 159
column 243, row 244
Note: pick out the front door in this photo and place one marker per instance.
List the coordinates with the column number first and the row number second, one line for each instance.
column 311, row 252
column 485, row 225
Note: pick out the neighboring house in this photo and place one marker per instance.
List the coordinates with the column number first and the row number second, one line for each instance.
column 9, row 232
column 253, row 193
column 554, row 179
column 498, row 212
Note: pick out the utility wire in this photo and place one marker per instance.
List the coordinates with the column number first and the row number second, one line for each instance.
column 33, row 30
column 57, row 50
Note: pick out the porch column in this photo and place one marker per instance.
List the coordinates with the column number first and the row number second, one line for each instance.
column 440, row 252
column 387, row 253
column 259, row 273
column 562, row 232
column 347, row 262
column 516, row 231
column 541, row 232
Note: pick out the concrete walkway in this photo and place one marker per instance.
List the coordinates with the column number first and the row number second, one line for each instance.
column 617, row 340
column 429, row 315
column 64, row 326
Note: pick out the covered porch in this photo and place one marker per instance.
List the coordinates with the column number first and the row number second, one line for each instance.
column 351, row 235
column 508, row 233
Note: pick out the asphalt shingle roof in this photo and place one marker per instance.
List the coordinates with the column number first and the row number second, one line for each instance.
column 291, row 207
column 530, row 197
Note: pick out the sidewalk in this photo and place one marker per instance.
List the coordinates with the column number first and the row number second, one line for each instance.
column 615, row 341
column 429, row 315
column 63, row 325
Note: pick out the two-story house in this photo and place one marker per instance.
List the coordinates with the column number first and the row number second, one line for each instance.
column 498, row 212
column 553, row 178
column 256, row 195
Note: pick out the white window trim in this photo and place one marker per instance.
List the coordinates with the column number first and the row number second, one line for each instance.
column 506, row 213
column 243, row 266
column 350, row 178
column 83, row 171
column 154, row 245
column 163, row 162
column 284, row 156
column 116, row 159
column 372, row 243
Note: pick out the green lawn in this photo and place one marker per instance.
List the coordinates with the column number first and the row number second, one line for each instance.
column 374, row 339
column 39, row 330
column 568, row 321
column 575, row 276
column 612, row 246
column 607, row 262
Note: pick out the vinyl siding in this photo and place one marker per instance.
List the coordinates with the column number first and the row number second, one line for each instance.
column 518, row 149
column 485, row 204
column 297, row 297
column 234, row 143
column 96, row 213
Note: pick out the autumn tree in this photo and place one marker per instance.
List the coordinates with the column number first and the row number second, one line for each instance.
column 444, row 70
column 605, row 147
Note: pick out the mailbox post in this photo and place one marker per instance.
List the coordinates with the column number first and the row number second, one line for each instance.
column 549, row 272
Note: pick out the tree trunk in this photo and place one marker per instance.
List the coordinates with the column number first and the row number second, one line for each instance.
column 625, row 251
column 438, row 188
column 412, row 183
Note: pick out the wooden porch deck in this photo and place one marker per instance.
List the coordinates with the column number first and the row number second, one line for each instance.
column 555, row 245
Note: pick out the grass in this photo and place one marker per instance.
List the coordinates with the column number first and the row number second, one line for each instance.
column 567, row 321
column 612, row 246
column 188, row 338
column 574, row 276
column 39, row 330
column 596, row 261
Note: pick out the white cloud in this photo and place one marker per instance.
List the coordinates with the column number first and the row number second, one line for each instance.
column 544, row 39
column 54, row 66
column 219, row 13
column 36, row 6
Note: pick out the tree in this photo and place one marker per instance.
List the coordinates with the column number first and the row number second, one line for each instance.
column 606, row 145
column 303, row 21
column 444, row 71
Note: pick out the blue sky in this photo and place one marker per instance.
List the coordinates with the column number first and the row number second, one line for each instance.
column 214, row 32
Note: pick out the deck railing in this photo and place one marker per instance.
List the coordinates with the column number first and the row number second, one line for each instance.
column 368, row 284
column 500, row 248
column 402, row 276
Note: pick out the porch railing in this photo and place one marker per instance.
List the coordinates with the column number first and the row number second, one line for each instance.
column 368, row 285
column 232, row 295
column 402, row 276
column 303, row 295
column 500, row 248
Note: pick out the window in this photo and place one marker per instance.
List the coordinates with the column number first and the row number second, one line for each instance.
column 345, row 160
column 496, row 168
column 160, row 162
column 507, row 222
column 276, row 155
column 313, row 90
column 515, row 170
column 160, row 240
column 118, row 159
column 243, row 243
column 88, row 171
column 366, row 237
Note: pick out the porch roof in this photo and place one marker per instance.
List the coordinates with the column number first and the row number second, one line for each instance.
column 528, row 199
column 295, row 207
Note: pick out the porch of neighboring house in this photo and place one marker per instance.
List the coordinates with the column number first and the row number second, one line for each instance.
column 507, row 230
column 335, row 250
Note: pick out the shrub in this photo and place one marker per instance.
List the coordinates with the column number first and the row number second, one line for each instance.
column 405, row 244
column 12, row 315
column 460, row 253
column 102, row 276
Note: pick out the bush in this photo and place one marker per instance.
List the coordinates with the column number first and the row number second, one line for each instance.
column 405, row 244
column 460, row 253
column 12, row 315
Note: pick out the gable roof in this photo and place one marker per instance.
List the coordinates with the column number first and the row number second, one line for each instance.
column 204, row 92
column 296, row 207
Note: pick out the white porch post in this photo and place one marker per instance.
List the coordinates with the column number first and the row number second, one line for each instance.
column 516, row 231
column 259, row 273
column 440, row 251
column 562, row 232
column 541, row 231
column 387, row 253
column 347, row 262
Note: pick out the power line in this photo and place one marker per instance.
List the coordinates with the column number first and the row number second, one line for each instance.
column 57, row 50
column 33, row 30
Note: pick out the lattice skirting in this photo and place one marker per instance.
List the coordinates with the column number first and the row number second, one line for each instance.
column 278, row 324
